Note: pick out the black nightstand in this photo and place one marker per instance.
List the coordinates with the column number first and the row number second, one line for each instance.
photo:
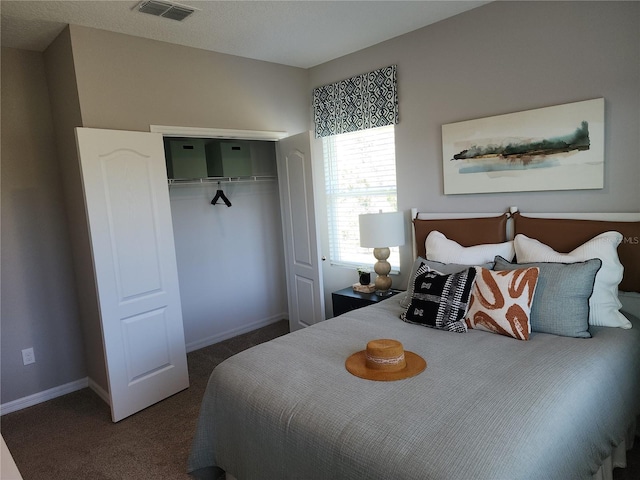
column 346, row 300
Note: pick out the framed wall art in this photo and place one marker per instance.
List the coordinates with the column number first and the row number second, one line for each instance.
column 552, row 148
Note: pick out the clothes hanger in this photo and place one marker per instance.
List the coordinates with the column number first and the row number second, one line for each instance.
column 220, row 196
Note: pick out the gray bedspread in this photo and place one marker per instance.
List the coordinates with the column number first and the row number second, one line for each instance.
column 486, row 407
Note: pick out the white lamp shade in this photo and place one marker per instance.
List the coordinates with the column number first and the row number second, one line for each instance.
column 381, row 230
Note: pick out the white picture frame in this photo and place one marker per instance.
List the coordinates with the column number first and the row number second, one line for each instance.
column 552, row 148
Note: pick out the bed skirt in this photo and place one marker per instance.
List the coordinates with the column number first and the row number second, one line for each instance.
column 618, row 458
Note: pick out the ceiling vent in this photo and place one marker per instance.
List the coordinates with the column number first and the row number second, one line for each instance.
column 175, row 11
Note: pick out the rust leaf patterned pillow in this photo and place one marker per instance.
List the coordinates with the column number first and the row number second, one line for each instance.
column 501, row 301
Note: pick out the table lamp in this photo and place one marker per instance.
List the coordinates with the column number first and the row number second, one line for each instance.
column 381, row 231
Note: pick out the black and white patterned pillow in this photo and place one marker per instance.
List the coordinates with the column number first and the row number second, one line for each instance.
column 440, row 301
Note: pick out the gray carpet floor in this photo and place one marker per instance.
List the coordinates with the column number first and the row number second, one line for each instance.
column 72, row 437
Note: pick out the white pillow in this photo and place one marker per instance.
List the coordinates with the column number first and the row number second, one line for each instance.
column 440, row 249
column 604, row 305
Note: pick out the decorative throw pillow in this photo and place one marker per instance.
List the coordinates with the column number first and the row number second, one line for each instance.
column 501, row 301
column 440, row 301
column 561, row 303
column 447, row 268
column 604, row 304
column 405, row 299
column 439, row 267
column 441, row 249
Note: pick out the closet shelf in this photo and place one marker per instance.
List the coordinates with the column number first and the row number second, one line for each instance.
column 200, row 181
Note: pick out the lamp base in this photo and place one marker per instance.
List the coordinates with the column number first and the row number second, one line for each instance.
column 382, row 268
column 383, row 293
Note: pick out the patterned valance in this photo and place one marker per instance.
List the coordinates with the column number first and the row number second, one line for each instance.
column 364, row 101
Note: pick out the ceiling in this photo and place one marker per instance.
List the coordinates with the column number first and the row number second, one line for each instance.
column 300, row 33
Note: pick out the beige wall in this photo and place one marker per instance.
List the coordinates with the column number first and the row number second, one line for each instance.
column 65, row 107
column 39, row 307
column 500, row 58
column 128, row 83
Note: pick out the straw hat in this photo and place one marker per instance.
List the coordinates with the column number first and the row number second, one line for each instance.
column 385, row 360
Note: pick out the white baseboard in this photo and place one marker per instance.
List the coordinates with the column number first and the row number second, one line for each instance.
column 102, row 393
column 205, row 342
column 43, row 396
column 70, row 387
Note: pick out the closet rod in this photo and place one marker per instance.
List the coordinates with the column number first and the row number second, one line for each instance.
column 199, row 181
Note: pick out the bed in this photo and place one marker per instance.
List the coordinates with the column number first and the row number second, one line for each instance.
column 488, row 406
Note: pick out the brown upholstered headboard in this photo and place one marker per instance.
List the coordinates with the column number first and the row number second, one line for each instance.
column 466, row 231
column 564, row 235
column 561, row 233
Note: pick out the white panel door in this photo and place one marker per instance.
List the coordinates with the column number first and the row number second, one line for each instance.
column 127, row 202
column 304, row 275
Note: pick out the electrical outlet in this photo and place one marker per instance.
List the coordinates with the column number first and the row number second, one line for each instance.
column 28, row 357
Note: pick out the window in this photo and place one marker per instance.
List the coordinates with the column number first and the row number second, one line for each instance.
column 360, row 177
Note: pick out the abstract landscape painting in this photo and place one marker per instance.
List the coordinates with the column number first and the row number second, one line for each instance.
column 551, row 148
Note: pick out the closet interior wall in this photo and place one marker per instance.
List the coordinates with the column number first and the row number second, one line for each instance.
column 230, row 259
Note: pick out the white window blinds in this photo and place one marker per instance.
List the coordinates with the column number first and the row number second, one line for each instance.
column 360, row 177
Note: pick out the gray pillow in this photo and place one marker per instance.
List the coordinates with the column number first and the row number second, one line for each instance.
column 444, row 268
column 449, row 268
column 561, row 301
